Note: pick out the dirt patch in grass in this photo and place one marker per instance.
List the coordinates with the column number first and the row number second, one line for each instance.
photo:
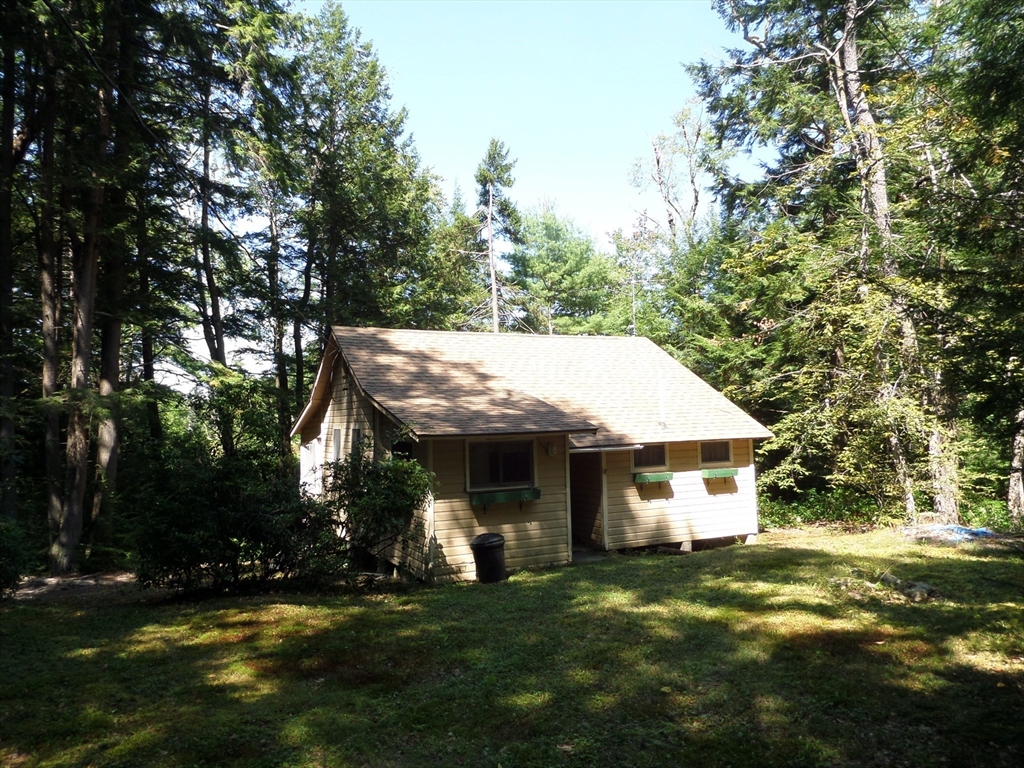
column 115, row 587
column 354, row 667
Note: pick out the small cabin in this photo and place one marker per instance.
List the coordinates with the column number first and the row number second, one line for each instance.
column 551, row 441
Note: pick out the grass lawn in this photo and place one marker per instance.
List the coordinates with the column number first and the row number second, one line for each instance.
column 784, row 653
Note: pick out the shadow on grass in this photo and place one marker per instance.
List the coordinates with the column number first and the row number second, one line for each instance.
column 748, row 656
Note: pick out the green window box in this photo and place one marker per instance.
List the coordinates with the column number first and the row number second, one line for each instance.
column 499, row 497
column 652, row 477
column 708, row 474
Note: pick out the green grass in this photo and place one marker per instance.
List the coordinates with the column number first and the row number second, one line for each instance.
column 778, row 654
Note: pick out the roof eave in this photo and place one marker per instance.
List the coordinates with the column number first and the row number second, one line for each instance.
column 439, row 435
column 323, row 377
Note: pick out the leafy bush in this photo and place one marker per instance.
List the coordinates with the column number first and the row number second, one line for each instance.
column 377, row 498
column 227, row 523
column 12, row 560
column 988, row 513
column 207, row 519
column 839, row 505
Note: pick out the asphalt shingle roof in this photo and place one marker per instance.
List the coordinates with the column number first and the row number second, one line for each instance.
column 622, row 390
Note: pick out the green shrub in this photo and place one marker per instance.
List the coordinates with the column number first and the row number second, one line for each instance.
column 12, row 558
column 231, row 523
column 205, row 519
column 988, row 513
column 377, row 498
column 839, row 505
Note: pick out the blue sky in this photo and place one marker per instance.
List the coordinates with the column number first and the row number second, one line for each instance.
column 575, row 90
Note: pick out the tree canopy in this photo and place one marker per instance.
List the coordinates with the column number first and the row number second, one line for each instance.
column 237, row 174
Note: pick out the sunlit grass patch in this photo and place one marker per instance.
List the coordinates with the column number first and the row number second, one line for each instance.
column 786, row 653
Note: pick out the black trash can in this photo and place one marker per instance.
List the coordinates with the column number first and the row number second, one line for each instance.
column 489, row 555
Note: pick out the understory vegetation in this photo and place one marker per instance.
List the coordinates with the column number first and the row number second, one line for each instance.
column 237, row 173
column 804, row 650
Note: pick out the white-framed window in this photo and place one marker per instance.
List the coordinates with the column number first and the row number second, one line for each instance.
column 336, row 442
column 653, row 457
column 495, row 464
column 716, row 453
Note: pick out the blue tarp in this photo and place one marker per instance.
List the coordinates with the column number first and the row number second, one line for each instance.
column 959, row 532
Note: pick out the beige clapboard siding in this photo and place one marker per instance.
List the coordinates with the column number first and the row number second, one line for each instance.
column 536, row 532
column 464, row 570
column 455, row 514
column 449, row 467
column 683, row 509
column 412, row 551
column 539, row 552
column 348, row 410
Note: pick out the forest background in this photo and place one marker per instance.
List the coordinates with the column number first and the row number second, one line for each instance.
column 239, row 168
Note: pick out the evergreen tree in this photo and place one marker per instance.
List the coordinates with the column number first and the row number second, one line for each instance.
column 499, row 215
column 564, row 284
column 836, row 306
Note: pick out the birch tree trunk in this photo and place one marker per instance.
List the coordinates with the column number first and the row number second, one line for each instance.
column 1015, row 497
column 872, row 167
column 490, row 258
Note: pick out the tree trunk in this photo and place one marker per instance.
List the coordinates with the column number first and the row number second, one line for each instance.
column 85, row 269
column 8, row 497
column 1015, row 497
column 300, row 316
column 903, row 477
column 156, row 431
column 213, row 326
column 871, row 158
column 49, row 269
column 943, row 463
column 62, row 551
column 871, row 164
column 112, row 297
column 107, row 437
column 278, row 322
column 942, row 469
column 490, row 256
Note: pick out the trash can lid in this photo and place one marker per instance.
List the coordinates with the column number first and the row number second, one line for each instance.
column 487, row 541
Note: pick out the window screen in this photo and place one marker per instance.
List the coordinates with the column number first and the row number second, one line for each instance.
column 501, row 465
column 650, row 456
column 715, row 453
